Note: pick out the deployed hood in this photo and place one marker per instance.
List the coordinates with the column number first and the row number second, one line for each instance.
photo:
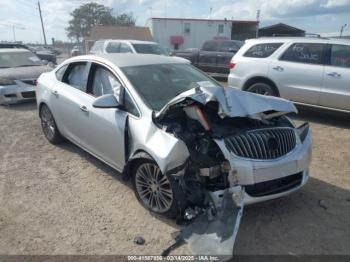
column 26, row 72
column 232, row 102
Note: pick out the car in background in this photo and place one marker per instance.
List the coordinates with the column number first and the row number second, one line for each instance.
column 214, row 57
column 309, row 71
column 182, row 138
column 77, row 50
column 19, row 70
column 43, row 53
column 127, row 46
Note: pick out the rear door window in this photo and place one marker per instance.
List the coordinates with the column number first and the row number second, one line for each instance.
column 76, row 76
column 211, row 46
column 262, row 50
column 308, row 53
column 340, row 55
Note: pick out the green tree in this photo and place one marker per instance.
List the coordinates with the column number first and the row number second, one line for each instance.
column 91, row 14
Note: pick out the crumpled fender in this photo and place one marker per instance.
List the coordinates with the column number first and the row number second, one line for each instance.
column 166, row 150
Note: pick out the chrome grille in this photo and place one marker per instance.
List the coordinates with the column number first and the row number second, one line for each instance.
column 262, row 143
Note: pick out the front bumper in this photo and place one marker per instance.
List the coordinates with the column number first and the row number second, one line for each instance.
column 248, row 172
column 16, row 93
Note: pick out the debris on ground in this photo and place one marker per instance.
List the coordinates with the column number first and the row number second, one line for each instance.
column 138, row 240
column 323, row 204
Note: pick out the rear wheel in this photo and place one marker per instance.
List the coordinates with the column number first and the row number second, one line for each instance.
column 262, row 88
column 156, row 191
column 49, row 126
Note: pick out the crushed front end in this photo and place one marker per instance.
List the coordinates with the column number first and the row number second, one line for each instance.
column 254, row 152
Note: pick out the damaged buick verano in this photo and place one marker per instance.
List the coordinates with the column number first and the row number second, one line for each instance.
column 182, row 138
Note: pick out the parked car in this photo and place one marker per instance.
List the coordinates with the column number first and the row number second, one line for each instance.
column 127, row 46
column 311, row 71
column 43, row 53
column 19, row 70
column 77, row 50
column 177, row 133
column 214, row 56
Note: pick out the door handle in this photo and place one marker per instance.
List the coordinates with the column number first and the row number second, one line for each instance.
column 54, row 92
column 334, row 74
column 83, row 108
column 278, row 68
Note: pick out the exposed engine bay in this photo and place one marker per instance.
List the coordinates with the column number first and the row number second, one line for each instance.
column 198, row 125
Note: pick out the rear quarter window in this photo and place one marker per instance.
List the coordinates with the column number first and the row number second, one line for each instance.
column 60, row 72
column 262, row 50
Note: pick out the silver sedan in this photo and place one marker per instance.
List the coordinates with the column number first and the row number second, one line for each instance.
column 183, row 139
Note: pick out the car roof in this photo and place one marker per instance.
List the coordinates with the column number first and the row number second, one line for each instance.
column 124, row 60
column 299, row 39
column 128, row 41
column 14, row 50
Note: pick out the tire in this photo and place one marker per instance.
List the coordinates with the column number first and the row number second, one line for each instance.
column 262, row 88
column 168, row 198
column 49, row 126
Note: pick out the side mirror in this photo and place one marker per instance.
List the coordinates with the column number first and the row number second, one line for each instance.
column 106, row 101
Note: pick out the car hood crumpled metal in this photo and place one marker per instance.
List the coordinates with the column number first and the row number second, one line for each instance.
column 232, row 102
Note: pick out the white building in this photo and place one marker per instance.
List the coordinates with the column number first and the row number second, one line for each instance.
column 182, row 33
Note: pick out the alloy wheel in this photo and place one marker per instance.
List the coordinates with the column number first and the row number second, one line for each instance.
column 153, row 188
column 47, row 123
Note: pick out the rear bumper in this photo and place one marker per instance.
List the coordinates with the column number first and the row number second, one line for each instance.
column 235, row 81
column 15, row 94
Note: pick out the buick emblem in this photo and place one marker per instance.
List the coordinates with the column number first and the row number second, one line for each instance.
column 272, row 144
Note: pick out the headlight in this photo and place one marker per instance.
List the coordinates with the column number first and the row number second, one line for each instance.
column 303, row 130
column 6, row 82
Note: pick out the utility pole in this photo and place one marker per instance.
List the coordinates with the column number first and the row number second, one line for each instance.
column 42, row 24
column 14, row 33
column 257, row 25
column 342, row 29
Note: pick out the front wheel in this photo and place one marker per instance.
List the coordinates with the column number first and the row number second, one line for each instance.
column 156, row 191
column 262, row 88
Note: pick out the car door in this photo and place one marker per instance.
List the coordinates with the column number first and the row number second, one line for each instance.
column 68, row 99
column 207, row 57
column 335, row 92
column 298, row 72
column 103, row 128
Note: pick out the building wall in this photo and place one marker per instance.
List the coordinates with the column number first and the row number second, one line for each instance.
column 200, row 31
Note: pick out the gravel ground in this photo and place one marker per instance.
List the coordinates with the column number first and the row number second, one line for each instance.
column 61, row 200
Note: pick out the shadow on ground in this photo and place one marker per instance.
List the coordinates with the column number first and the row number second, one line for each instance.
column 323, row 116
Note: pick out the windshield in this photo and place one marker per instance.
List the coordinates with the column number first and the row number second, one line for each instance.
column 158, row 84
column 17, row 59
column 149, row 49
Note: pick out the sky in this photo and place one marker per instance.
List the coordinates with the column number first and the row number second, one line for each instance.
column 314, row 16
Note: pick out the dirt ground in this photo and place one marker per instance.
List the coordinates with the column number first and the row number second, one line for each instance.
column 61, row 200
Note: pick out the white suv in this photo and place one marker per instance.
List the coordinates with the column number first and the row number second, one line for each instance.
column 126, row 46
column 312, row 71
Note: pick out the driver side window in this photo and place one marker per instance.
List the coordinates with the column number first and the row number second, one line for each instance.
column 103, row 82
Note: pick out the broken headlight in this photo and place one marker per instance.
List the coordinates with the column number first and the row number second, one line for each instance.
column 302, row 131
column 6, row 82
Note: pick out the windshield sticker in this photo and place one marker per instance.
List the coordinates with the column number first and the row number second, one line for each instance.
column 206, row 84
column 34, row 59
